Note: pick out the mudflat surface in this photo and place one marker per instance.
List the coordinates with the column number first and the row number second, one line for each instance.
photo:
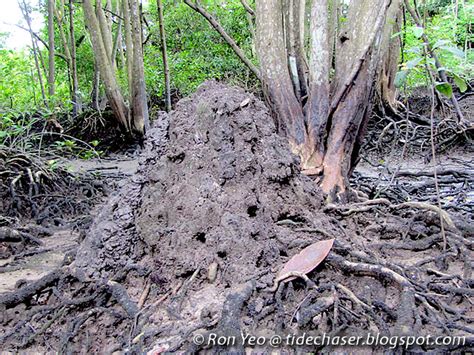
column 36, row 263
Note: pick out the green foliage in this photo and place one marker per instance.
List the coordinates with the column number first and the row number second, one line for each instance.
column 14, row 126
column 19, row 87
column 445, row 88
column 75, row 147
column 196, row 52
column 3, row 39
column 449, row 35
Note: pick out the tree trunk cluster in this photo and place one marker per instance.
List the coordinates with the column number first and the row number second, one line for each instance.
column 133, row 117
column 319, row 63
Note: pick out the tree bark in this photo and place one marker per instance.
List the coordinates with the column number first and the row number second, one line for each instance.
column 356, row 63
column 317, row 109
column 164, row 54
column 128, row 43
column 106, row 70
column 271, row 50
column 117, row 42
column 139, row 105
column 76, row 104
column 105, row 30
column 51, row 66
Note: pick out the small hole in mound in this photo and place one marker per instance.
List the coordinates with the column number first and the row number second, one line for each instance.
column 259, row 259
column 187, row 274
column 88, row 193
column 252, row 211
column 201, row 237
column 177, row 158
column 222, row 254
column 290, row 217
column 283, row 253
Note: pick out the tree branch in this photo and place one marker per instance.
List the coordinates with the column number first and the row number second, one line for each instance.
column 43, row 42
column 247, row 7
column 230, row 41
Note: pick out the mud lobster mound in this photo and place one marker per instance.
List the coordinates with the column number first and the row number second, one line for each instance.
column 190, row 247
column 215, row 185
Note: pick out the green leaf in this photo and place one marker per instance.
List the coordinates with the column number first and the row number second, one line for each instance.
column 413, row 63
column 455, row 50
column 445, row 88
column 441, row 42
column 400, row 78
column 418, row 31
column 460, row 83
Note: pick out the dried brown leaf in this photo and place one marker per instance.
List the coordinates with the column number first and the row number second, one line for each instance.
column 307, row 259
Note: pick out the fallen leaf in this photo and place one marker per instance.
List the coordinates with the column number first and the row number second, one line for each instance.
column 307, row 259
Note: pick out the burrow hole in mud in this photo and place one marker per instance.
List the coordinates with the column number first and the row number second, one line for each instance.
column 200, row 237
column 87, row 193
column 187, row 274
column 259, row 261
column 222, row 254
column 283, row 253
column 177, row 158
column 252, row 211
column 290, row 217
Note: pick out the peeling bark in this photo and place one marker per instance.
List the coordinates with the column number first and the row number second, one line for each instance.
column 323, row 112
column 271, row 50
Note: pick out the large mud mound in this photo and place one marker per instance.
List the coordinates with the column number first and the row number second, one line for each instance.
column 220, row 187
column 190, row 246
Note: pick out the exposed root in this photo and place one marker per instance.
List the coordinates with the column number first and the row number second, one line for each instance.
column 32, row 187
column 207, row 200
column 25, row 293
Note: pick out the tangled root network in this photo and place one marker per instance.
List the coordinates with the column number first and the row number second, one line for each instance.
column 187, row 253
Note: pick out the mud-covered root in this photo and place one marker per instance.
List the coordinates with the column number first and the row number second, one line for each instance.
column 38, row 188
column 58, row 306
column 342, row 307
column 219, row 191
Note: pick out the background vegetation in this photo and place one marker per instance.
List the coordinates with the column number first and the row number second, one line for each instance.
column 197, row 53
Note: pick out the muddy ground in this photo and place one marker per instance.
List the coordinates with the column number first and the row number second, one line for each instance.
column 190, row 244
